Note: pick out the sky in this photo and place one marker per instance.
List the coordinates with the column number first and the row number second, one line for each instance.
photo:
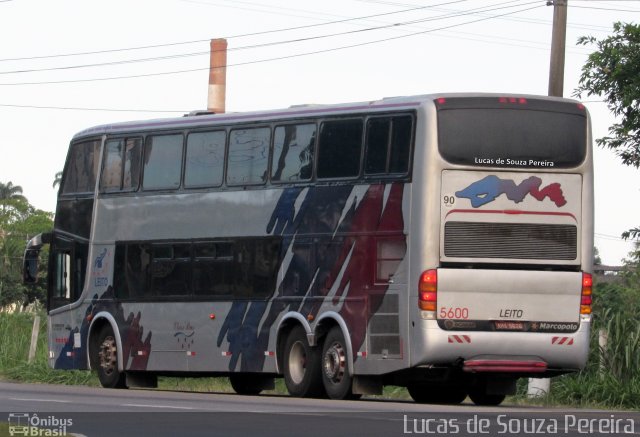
column 66, row 65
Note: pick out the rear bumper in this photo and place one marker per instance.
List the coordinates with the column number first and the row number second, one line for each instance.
column 560, row 351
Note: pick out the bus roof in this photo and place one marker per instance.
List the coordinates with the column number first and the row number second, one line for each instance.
column 200, row 119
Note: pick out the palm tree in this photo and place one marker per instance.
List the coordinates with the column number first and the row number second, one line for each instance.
column 58, row 179
column 10, row 191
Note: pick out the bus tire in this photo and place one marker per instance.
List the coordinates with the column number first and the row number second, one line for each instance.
column 335, row 366
column 244, row 384
column 302, row 366
column 433, row 394
column 105, row 355
column 481, row 398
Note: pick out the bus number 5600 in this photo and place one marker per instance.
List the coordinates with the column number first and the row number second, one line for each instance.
column 454, row 313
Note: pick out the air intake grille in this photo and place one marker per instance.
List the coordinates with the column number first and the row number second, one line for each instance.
column 510, row 240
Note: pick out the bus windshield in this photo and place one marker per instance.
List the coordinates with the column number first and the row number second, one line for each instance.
column 512, row 132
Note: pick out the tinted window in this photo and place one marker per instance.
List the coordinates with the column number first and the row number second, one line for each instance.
column 214, row 269
column 339, row 149
column 82, row 168
column 132, row 164
column 116, row 175
column 112, row 170
column 170, row 265
column 388, row 145
column 248, row 156
column 527, row 134
column 205, row 159
column 162, row 162
column 131, row 271
column 242, row 268
column 293, row 149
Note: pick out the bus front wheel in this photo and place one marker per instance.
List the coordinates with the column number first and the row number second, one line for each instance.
column 105, row 357
column 301, row 365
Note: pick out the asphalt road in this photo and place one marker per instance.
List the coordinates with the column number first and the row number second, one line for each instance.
column 67, row 410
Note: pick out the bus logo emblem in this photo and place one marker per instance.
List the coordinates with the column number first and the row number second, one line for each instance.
column 488, row 189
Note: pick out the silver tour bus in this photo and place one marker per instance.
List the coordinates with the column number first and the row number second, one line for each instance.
column 440, row 242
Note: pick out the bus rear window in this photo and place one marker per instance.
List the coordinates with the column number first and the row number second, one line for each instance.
column 490, row 132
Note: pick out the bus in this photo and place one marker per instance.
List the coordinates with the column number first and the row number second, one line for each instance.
column 441, row 243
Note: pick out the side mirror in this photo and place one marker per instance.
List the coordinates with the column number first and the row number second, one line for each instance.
column 30, row 266
column 31, row 257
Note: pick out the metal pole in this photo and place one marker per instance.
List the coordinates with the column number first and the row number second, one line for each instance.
column 558, row 44
column 34, row 338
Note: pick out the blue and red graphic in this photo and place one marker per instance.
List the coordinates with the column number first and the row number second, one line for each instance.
column 488, row 189
column 332, row 240
column 135, row 350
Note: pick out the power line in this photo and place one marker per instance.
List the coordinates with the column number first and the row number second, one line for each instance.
column 285, row 56
column 297, row 40
column 232, row 36
column 605, row 9
column 90, row 109
column 609, row 237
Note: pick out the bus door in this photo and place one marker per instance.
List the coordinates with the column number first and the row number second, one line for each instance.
column 67, row 266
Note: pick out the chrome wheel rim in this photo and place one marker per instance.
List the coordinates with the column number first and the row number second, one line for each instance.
column 334, row 363
column 297, row 362
column 108, row 355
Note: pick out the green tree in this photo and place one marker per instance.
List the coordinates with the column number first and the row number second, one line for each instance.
column 19, row 221
column 10, row 191
column 57, row 179
column 611, row 72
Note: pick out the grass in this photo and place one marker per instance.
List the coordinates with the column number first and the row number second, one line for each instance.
column 618, row 387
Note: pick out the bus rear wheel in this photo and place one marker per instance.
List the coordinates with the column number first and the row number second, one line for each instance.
column 248, row 384
column 437, row 394
column 302, row 366
column 482, row 398
column 335, row 366
column 105, row 357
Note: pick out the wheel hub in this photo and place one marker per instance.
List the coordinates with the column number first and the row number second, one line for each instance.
column 335, row 363
column 297, row 362
column 108, row 355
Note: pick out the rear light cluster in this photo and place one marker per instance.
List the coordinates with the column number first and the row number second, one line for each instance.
column 428, row 290
column 513, row 100
column 586, row 295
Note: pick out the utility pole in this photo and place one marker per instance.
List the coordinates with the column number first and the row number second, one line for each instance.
column 558, row 43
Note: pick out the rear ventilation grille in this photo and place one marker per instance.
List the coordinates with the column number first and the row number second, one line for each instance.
column 510, row 240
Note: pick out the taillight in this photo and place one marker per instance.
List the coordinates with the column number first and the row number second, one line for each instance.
column 586, row 295
column 513, row 100
column 428, row 290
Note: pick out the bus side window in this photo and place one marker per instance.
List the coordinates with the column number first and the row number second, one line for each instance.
column 82, row 168
column 390, row 252
column 205, row 159
column 131, row 271
column 248, row 156
column 170, row 270
column 111, row 179
column 162, row 162
column 339, row 149
column 132, row 164
column 293, row 150
column 388, row 145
